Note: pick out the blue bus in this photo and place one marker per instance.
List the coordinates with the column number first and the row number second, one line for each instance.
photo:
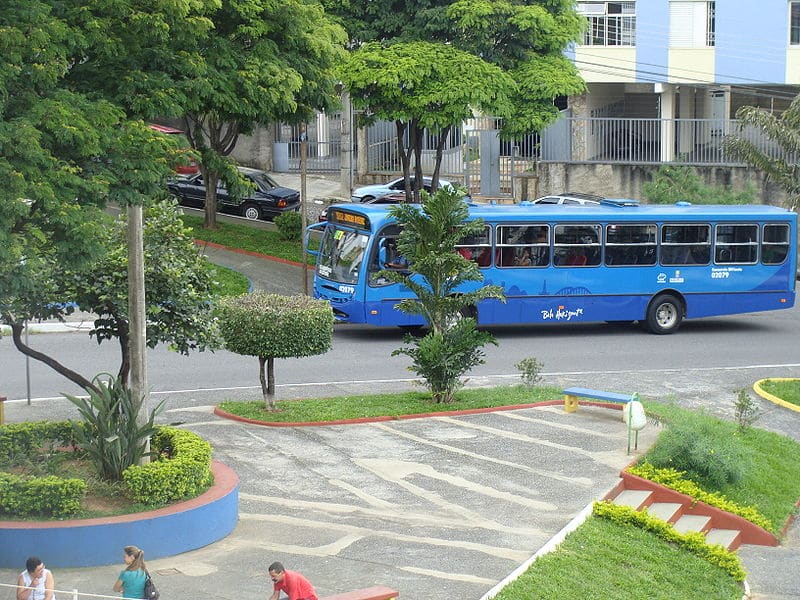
column 618, row 261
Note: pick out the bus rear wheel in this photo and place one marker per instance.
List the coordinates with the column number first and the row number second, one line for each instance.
column 664, row 315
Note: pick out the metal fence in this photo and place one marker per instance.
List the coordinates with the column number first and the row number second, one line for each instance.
column 625, row 140
column 471, row 155
column 324, row 147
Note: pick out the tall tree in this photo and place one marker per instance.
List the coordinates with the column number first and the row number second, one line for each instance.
column 524, row 38
column 223, row 66
column 422, row 85
column 63, row 155
column 784, row 132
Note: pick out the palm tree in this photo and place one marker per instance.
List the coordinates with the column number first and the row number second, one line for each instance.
column 784, row 131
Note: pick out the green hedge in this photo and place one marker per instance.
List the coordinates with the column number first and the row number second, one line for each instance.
column 182, row 470
column 40, row 496
column 22, row 439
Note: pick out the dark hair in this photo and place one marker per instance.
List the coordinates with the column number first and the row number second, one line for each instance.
column 32, row 563
column 276, row 567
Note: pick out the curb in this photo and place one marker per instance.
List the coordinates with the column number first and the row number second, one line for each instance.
column 774, row 399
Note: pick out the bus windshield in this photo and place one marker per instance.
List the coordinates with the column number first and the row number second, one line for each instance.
column 341, row 254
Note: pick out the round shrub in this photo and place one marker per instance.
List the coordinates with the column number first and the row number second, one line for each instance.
column 705, row 458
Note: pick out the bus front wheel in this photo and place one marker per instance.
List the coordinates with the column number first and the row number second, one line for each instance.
column 664, row 315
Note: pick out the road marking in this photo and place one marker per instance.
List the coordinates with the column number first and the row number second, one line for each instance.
column 312, row 384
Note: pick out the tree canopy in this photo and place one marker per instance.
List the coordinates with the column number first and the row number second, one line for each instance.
column 423, row 85
column 784, row 132
column 221, row 66
column 521, row 40
column 65, row 153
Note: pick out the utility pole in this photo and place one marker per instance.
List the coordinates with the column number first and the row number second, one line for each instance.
column 303, row 202
column 137, row 335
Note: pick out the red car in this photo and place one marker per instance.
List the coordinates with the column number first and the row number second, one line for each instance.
column 192, row 167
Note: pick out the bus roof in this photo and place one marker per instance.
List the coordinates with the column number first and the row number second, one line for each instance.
column 609, row 210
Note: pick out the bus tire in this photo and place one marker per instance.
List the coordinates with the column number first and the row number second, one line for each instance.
column 664, row 314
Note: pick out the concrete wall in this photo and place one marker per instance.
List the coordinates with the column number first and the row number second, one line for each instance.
column 255, row 150
column 625, row 181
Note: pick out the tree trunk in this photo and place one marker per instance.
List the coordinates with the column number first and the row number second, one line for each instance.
column 125, row 366
column 76, row 378
column 211, row 179
column 415, row 142
column 267, row 380
column 443, row 135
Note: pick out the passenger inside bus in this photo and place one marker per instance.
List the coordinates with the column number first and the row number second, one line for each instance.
column 576, row 258
column 389, row 257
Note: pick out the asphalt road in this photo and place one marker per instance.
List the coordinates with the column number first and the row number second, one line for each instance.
column 434, row 507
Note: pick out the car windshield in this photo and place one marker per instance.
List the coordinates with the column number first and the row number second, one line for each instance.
column 341, row 254
column 263, row 181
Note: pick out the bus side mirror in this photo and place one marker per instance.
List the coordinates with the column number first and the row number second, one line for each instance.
column 307, row 238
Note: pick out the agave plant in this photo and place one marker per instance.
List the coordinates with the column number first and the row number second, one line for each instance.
column 109, row 432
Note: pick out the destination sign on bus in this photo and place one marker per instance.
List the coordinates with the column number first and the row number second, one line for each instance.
column 348, row 218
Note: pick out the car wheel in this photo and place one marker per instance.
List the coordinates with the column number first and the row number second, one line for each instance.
column 251, row 211
column 664, row 315
column 365, row 199
column 176, row 198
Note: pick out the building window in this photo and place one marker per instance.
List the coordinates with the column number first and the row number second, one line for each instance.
column 610, row 23
column 691, row 24
column 794, row 23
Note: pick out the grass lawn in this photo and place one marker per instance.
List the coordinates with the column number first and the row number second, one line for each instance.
column 255, row 239
column 228, row 281
column 392, row 405
column 603, row 559
column 788, row 390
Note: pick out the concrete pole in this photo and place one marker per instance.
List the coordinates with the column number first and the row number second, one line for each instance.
column 346, row 168
column 137, row 339
column 303, row 202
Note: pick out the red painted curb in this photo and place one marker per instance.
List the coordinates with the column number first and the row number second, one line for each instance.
column 252, row 253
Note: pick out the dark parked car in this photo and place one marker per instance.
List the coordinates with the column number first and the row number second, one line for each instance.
column 266, row 200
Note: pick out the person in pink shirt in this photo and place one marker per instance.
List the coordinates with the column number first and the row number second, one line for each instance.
column 293, row 583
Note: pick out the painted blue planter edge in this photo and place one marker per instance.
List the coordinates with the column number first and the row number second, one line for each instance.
column 94, row 542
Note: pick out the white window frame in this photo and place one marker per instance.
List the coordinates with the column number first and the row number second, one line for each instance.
column 691, row 23
column 610, row 23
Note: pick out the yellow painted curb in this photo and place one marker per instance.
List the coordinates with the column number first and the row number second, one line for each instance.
column 767, row 396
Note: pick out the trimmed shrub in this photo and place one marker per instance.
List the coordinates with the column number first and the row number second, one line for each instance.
column 675, row 481
column 271, row 326
column 183, row 469
column 40, row 496
column 23, row 439
column 290, row 225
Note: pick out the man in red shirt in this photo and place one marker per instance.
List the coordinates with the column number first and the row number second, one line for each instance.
column 293, row 583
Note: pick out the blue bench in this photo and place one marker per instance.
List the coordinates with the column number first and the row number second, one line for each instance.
column 572, row 394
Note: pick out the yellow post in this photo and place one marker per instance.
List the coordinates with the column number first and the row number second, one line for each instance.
column 570, row 403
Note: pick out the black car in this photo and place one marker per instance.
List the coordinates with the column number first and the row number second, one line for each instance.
column 266, row 200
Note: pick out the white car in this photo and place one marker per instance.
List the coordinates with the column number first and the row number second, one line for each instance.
column 370, row 192
column 569, row 198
